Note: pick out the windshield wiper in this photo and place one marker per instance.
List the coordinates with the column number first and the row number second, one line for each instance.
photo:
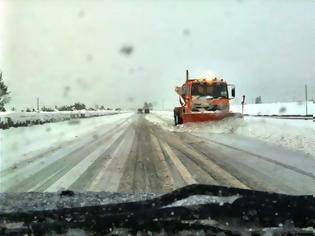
column 249, row 209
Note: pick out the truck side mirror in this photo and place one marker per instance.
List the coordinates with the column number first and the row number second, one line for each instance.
column 233, row 92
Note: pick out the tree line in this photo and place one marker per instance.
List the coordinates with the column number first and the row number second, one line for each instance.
column 75, row 107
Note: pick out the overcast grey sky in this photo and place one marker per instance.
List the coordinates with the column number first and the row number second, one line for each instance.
column 67, row 51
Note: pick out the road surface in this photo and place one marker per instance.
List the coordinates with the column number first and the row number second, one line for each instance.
column 135, row 155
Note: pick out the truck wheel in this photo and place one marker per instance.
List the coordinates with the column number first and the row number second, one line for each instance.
column 180, row 120
column 177, row 118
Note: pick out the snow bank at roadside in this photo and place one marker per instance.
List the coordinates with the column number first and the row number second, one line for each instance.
column 16, row 119
column 292, row 134
column 280, row 108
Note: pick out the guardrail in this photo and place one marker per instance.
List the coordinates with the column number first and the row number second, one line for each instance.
column 289, row 117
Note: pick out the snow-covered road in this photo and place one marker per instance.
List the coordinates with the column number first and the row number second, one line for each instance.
column 146, row 153
column 294, row 135
column 21, row 143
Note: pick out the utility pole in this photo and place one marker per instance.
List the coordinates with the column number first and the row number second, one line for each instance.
column 37, row 104
column 306, row 99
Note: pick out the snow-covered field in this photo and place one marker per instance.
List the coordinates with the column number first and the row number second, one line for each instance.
column 21, row 143
column 292, row 134
column 280, row 108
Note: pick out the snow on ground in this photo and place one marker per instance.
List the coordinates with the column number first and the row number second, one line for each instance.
column 17, row 117
column 292, row 134
column 18, row 143
column 280, row 108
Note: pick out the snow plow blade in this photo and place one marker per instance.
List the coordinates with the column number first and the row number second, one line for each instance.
column 209, row 116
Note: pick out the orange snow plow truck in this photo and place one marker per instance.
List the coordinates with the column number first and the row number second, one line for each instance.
column 204, row 99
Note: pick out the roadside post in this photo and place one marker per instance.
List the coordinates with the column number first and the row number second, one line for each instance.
column 243, row 103
column 37, row 104
column 306, row 111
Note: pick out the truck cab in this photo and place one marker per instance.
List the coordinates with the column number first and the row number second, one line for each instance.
column 203, row 99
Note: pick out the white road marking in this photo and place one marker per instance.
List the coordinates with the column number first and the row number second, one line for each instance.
column 169, row 181
column 25, row 172
column 72, row 175
column 109, row 178
column 213, row 167
column 45, row 180
column 99, row 177
column 179, row 165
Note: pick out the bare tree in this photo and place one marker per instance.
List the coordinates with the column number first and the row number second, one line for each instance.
column 4, row 94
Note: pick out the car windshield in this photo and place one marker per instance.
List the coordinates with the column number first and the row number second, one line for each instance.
column 142, row 98
column 218, row 90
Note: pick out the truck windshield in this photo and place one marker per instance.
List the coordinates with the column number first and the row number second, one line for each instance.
column 217, row 90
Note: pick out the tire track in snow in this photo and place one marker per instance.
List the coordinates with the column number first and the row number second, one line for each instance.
column 146, row 169
column 84, row 182
column 293, row 168
column 218, row 173
column 211, row 169
column 179, row 165
column 108, row 179
column 42, row 183
column 76, row 171
column 169, row 182
column 26, row 178
column 255, row 173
